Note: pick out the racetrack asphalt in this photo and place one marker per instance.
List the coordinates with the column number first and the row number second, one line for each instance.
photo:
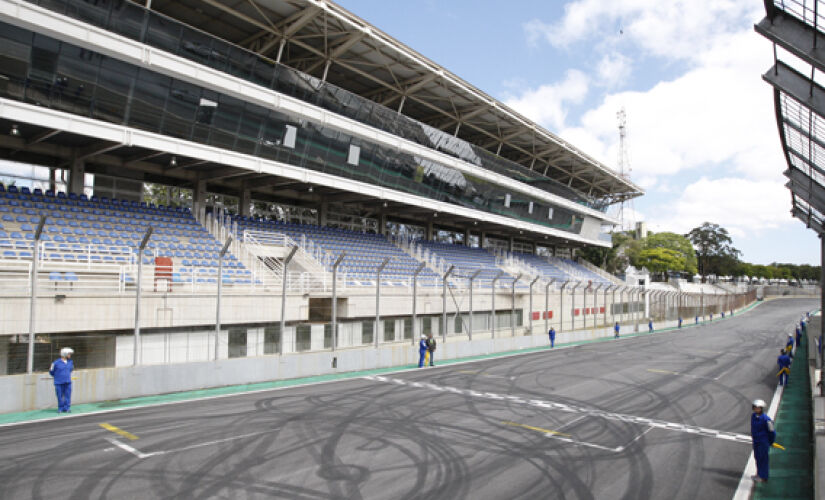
column 662, row 416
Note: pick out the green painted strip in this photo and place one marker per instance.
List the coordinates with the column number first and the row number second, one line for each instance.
column 90, row 408
column 792, row 469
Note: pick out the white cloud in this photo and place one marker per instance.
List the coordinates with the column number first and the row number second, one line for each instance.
column 745, row 207
column 718, row 115
column 707, row 137
column 546, row 104
column 613, row 70
column 672, row 29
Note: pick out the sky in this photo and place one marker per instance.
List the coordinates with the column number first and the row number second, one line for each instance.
column 702, row 138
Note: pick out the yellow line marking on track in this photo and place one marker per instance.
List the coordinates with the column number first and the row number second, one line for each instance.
column 118, row 431
column 654, row 370
column 537, row 429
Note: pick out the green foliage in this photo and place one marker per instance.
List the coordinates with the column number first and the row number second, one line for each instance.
column 682, row 257
column 661, row 259
column 715, row 250
column 160, row 194
column 708, row 248
column 615, row 259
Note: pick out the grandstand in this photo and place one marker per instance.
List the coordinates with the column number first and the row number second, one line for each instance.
column 254, row 129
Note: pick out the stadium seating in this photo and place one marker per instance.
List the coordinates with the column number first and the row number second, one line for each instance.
column 100, row 230
column 560, row 269
column 468, row 260
column 364, row 251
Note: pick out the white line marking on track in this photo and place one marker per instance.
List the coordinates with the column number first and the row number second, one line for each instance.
column 123, row 446
column 592, row 412
column 134, row 451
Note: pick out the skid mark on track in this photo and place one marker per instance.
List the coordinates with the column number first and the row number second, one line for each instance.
column 592, row 412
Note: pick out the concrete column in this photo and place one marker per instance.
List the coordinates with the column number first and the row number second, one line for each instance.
column 482, row 242
column 511, row 244
column 382, row 224
column 466, row 237
column 77, row 174
column 53, row 179
column 323, row 210
column 198, row 197
column 430, row 231
column 245, row 202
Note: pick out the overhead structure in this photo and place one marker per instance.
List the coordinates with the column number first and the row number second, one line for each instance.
column 326, row 41
column 294, row 103
column 796, row 30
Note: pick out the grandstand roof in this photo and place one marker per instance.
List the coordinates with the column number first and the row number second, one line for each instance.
column 797, row 29
column 321, row 38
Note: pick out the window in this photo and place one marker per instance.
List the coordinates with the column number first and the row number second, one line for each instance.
column 550, row 213
column 426, row 325
column 327, row 336
column 367, row 332
column 303, row 338
column 389, row 330
column 237, row 342
column 530, row 208
column 206, row 110
column 272, row 339
column 507, row 200
column 408, row 328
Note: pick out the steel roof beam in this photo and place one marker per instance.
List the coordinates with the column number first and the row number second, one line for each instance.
column 798, row 38
column 798, row 86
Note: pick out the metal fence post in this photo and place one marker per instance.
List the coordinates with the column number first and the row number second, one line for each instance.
column 141, row 247
column 285, row 268
column 375, row 330
column 414, row 300
column 604, row 314
column 530, row 312
column 546, row 313
column 218, row 301
column 444, row 304
column 596, row 303
column 513, row 306
column 33, row 285
column 334, row 312
column 472, row 279
column 561, row 305
column 573, row 306
column 493, row 305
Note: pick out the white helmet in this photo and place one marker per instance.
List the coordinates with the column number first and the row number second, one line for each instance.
column 66, row 351
column 760, row 403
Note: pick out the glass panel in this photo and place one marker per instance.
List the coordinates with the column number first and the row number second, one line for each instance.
column 272, row 339
column 237, row 342
column 303, row 337
column 171, row 35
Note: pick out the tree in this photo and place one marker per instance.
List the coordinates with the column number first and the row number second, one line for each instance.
column 714, row 248
column 660, row 259
column 663, row 252
column 615, row 259
column 677, row 243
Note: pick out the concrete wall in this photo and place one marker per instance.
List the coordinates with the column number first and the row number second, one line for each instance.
column 36, row 391
column 86, row 313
